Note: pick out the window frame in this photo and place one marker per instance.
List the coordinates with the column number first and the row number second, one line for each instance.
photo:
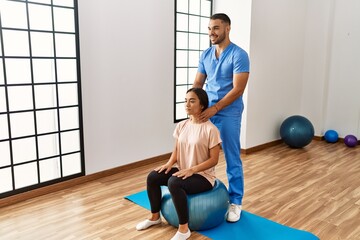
column 57, row 84
column 179, row 111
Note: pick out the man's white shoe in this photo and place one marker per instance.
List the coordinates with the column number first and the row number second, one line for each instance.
column 234, row 213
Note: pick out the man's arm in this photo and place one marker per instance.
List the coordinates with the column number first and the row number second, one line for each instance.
column 199, row 80
column 239, row 82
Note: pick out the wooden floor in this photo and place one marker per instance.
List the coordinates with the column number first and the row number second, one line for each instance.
column 315, row 189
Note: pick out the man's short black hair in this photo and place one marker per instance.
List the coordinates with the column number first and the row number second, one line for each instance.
column 222, row 16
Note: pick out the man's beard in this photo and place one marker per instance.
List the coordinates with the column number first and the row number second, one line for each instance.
column 219, row 39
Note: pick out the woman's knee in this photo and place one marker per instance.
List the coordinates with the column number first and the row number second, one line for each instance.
column 174, row 183
column 152, row 177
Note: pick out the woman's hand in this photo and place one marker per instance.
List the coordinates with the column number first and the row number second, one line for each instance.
column 165, row 167
column 185, row 173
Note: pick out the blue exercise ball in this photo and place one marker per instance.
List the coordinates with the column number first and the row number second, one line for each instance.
column 206, row 210
column 297, row 131
column 331, row 136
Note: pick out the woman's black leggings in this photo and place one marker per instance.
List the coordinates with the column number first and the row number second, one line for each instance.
column 178, row 188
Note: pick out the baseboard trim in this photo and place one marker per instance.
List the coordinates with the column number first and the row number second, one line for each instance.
column 76, row 181
column 271, row 144
column 260, row 147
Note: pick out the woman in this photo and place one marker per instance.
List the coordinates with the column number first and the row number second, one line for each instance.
column 195, row 154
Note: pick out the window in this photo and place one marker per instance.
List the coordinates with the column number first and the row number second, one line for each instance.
column 191, row 38
column 40, row 98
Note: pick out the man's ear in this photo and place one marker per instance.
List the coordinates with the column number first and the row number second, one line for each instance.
column 228, row 28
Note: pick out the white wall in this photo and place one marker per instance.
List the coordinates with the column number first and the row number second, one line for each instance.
column 127, row 64
column 317, row 54
column 343, row 100
column 276, row 53
column 332, row 60
column 304, row 60
column 239, row 11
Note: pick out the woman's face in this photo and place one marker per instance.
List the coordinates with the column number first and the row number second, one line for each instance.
column 192, row 104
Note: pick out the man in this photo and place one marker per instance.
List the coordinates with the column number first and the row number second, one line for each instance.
column 225, row 67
